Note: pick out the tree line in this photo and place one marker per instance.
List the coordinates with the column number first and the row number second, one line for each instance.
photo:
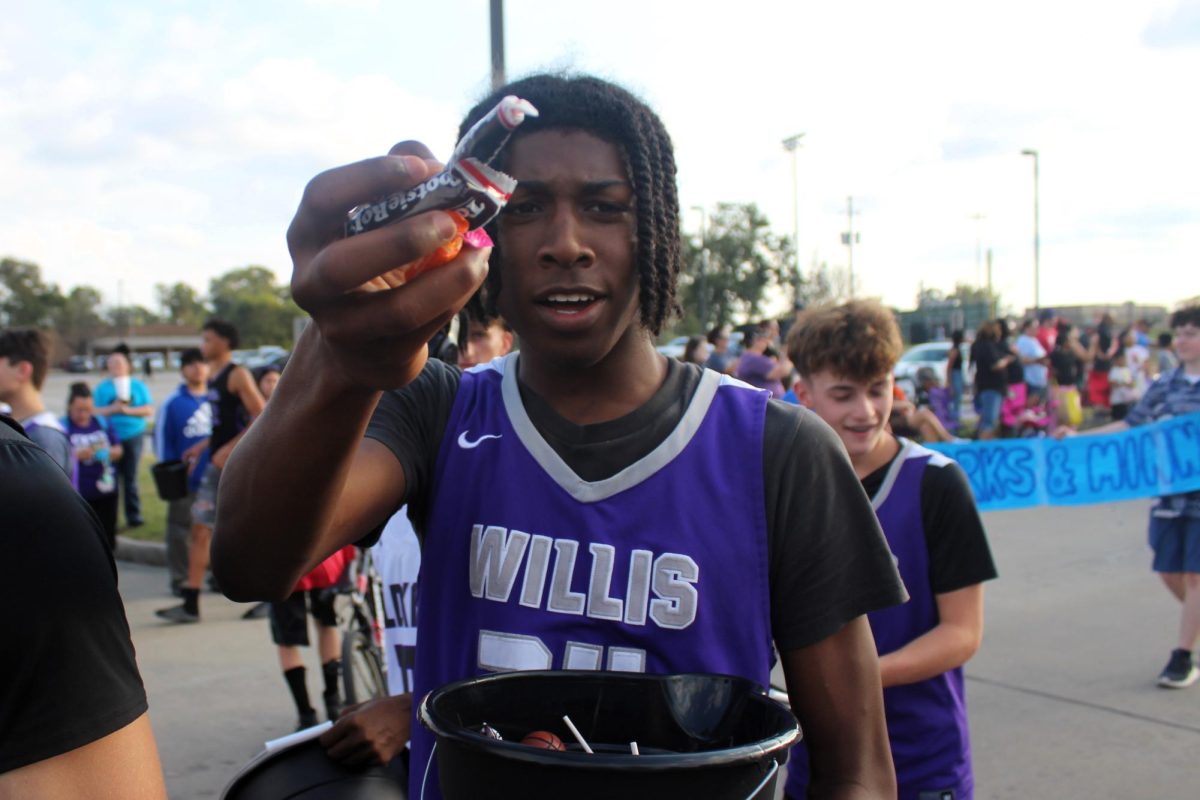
column 249, row 297
column 746, row 265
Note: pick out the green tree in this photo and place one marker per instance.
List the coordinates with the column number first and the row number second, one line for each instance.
column 261, row 309
column 26, row 299
column 745, row 261
column 181, row 304
column 827, row 285
column 125, row 317
column 78, row 320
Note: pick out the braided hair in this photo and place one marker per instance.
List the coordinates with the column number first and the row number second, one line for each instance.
column 608, row 112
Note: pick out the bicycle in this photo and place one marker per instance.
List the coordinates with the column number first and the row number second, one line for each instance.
column 360, row 622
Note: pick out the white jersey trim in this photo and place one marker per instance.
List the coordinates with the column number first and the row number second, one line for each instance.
column 908, row 449
column 634, row 474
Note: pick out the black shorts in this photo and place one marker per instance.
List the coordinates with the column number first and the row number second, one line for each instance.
column 289, row 623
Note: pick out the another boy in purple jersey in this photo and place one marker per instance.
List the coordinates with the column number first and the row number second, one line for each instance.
column 845, row 356
column 587, row 502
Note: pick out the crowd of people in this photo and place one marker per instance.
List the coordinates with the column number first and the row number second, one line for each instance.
column 583, row 461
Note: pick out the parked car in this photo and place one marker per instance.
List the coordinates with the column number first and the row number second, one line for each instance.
column 675, row 347
column 930, row 354
column 267, row 354
column 79, row 364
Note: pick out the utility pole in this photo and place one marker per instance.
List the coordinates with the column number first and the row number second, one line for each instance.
column 1037, row 278
column 991, row 297
column 498, row 79
column 979, row 218
column 849, row 238
column 703, row 304
column 792, row 144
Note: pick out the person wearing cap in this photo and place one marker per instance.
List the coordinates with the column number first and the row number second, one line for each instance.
column 184, row 421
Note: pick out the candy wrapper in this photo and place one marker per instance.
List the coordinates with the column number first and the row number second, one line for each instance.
column 469, row 188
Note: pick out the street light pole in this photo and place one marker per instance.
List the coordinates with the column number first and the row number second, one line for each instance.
column 1037, row 281
column 791, row 144
column 703, row 305
column 978, row 245
column 497, row 16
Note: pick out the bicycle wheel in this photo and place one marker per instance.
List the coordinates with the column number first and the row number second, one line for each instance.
column 362, row 668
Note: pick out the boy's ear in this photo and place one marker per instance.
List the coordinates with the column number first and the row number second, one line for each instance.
column 803, row 392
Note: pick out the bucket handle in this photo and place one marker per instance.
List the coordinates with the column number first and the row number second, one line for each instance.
column 767, row 779
column 753, row 792
column 428, row 764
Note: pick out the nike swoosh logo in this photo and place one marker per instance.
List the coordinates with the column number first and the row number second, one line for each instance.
column 467, row 444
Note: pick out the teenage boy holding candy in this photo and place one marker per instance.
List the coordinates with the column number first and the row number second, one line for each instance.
column 587, row 502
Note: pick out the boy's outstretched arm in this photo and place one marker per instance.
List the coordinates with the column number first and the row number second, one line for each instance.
column 303, row 482
column 835, row 692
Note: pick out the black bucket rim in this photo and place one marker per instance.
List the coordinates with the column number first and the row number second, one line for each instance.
column 772, row 746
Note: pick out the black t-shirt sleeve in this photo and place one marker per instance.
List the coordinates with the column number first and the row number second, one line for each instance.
column 829, row 561
column 411, row 422
column 959, row 555
column 68, row 676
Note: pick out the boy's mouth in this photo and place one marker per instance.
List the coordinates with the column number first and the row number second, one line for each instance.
column 568, row 303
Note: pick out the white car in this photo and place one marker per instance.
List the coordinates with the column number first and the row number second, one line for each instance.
column 930, row 354
column 675, row 347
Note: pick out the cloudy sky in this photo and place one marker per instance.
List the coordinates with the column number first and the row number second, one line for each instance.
column 148, row 142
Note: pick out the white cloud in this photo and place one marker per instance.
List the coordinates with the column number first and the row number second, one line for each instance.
column 175, row 144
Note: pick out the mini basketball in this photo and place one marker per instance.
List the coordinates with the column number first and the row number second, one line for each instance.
column 543, row 739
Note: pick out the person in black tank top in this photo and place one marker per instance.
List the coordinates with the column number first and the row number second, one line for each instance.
column 235, row 402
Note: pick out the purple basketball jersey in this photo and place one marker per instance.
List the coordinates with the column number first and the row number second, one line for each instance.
column 659, row 568
column 927, row 721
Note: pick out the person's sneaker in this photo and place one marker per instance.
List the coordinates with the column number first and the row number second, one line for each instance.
column 258, row 611
column 177, row 614
column 307, row 719
column 1180, row 672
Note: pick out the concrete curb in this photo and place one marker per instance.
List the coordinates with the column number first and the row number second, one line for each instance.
column 153, row 554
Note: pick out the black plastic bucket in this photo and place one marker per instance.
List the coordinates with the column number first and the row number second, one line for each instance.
column 171, row 479
column 304, row 772
column 700, row 735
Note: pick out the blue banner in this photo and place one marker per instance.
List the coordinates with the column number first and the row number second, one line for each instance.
column 1148, row 461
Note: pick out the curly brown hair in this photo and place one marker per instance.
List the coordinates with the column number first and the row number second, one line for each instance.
column 859, row 340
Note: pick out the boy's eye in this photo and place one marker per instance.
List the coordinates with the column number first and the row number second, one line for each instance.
column 605, row 207
column 520, row 207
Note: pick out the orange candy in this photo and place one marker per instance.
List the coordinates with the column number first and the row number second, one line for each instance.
column 444, row 254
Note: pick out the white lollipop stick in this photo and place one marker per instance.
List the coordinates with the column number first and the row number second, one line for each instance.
column 575, row 733
column 633, row 748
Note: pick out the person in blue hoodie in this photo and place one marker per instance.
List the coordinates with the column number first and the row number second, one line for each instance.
column 180, row 434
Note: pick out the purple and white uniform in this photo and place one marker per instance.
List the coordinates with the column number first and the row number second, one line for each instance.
column 927, row 720
column 660, row 568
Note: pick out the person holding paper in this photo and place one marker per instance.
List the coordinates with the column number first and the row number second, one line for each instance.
column 1175, row 519
column 127, row 404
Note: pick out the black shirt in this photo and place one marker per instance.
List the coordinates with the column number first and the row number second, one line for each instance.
column 228, row 414
column 1066, row 365
column 959, row 555
column 67, row 670
column 828, row 560
column 985, row 354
